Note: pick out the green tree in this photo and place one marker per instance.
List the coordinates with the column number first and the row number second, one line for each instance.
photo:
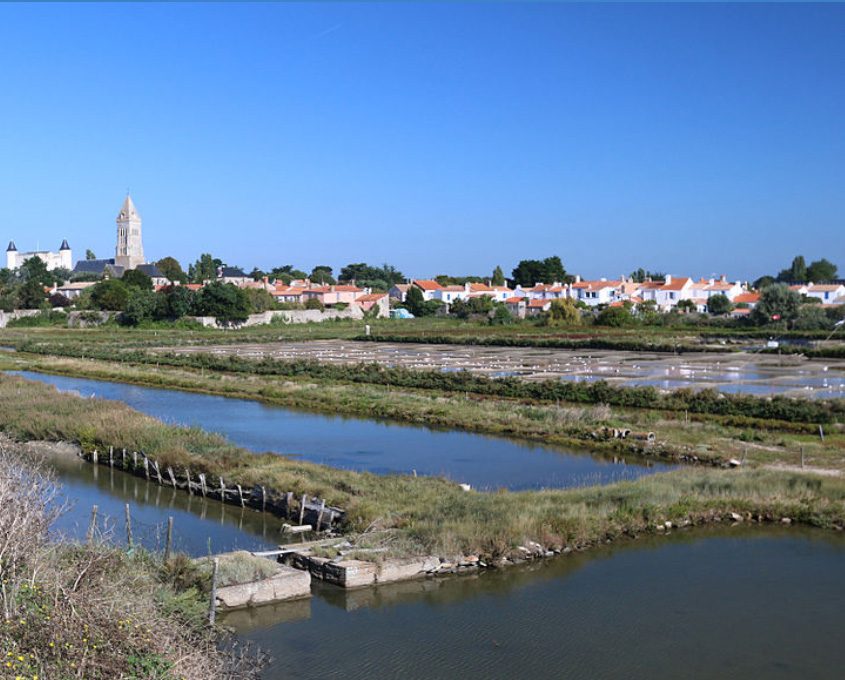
column 171, row 269
column 764, row 281
column 31, row 294
column 176, row 302
column 812, row 318
column 89, row 255
column 821, row 271
column 415, row 301
column 314, row 303
column 615, row 316
column 498, row 278
column 797, row 272
column 529, row 272
column 501, row 316
column 224, row 301
column 135, row 278
column 110, row 295
column 141, row 306
column 204, row 269
column 563, row 312
column 777, row 303
column 719, row 304
column 259, row 300
column 685, row 306
column 35, row 269
column 364, row 275
column 322, row 274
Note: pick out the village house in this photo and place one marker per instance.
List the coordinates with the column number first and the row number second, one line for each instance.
column 380, row 301
column 233, row 275
column 517, row 306
column 72, row 290
column 828, row 294
column 537, row 307
column 668, row 293
column 428, row 287
column 594, row 293
column 399, row 291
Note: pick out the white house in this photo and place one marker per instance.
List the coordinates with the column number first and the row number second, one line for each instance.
column 666, row 294
column 594, row 293
column 428, row 287
column 829, row 294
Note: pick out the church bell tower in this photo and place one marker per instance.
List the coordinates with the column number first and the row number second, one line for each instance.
column 129, row 252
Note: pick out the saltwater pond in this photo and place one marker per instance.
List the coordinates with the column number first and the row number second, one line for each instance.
column 743, row 604
column 367, row 445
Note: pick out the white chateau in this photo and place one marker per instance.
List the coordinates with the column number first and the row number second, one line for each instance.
column 63, row 259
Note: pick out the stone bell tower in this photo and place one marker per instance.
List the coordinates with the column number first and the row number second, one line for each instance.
column 129, row 252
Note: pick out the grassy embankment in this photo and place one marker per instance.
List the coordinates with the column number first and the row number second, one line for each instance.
column 433, row 515
column 681, row 429
column 423, row 330
column 94, row 611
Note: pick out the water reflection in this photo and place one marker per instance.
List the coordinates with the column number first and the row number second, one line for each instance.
column 698, row 604
column 368, row 445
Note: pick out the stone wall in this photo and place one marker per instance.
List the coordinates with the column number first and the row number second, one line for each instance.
column 287, row 316
column 6, row 317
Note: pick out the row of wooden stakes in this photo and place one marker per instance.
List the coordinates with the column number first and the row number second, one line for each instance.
column 306, row 510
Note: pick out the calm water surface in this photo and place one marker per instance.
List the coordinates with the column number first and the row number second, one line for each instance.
column 764, row 604
column 366, row 445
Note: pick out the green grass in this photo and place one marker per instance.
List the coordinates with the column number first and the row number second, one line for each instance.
column 435, row 515
column 709, row 438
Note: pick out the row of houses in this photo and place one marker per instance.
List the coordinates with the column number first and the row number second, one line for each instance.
column 665, row 294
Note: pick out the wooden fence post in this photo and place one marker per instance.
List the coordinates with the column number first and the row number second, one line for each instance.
column 821, row 432
column 188, row 477
column 169, row 544
column 263, row 499
column 111, row 456
column 128, row 527
column 146, row 467
column 203, row 487
column 212, row 605
column 172, row 476
column 222, row 490
column 240, row 495
column 94, row 457
column 93, row 525
column 288, row 503
column 124, row 458
column 802, row 456
column 302, row 509
column 320, row 514
column 134, row 460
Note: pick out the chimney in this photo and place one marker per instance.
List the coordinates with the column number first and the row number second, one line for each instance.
column 577, row 278
column 724, row 278
column 668, row 278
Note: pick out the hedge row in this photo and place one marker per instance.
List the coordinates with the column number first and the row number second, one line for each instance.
column 618, row 344
column 708, row 401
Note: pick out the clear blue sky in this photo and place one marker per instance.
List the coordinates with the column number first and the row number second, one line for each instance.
column 440, row 138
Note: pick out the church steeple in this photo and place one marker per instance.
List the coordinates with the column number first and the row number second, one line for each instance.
column 129, row 252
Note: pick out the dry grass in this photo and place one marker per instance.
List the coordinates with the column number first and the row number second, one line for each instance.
column 74, row 611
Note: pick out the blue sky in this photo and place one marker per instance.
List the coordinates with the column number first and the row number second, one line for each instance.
column 692, row 138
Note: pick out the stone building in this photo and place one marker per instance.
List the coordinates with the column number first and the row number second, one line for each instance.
column 129, row 252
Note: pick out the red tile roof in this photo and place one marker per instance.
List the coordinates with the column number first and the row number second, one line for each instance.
column 427, row 284
column 747, row 298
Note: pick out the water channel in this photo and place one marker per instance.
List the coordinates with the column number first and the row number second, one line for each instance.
column 366, row 445
column 729, row 603
column 744, row 604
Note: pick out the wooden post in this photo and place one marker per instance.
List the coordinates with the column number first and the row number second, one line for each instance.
column 240, row 495
column 157, row 470
column 263, row 499
column 212, row 605
column 203, row 488
column 320, row 514
column 124, row 459
column 802, row 456
column 93, row 525
column 302, row 509
column 94, row 457
column 146, row 467
column 288, row 503
column 134, row 460
column 744, row 455
column 111, row 456
column 172, row 476
column 222, row 490
column 188, row 477
column 128, row 527
column 169, row 544
column 821, row 432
